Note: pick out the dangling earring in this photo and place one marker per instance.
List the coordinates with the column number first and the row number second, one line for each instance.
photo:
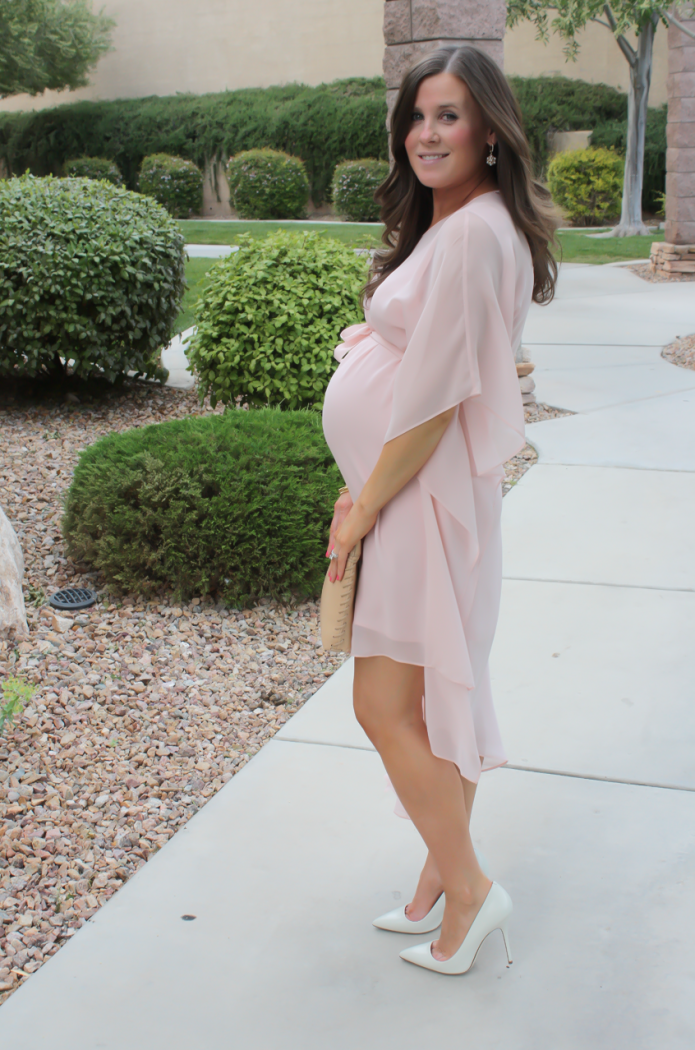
column 491, row 159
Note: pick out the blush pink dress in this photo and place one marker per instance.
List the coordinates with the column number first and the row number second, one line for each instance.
column 439, row 332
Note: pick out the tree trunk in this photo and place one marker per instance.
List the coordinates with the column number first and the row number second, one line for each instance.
column 638, row 96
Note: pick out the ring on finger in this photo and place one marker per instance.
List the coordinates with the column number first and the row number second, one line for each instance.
column 333, row 554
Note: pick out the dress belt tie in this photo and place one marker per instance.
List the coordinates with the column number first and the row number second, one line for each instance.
column 356, row 333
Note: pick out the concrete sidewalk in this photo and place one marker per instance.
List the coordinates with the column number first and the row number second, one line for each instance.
column 590, row 827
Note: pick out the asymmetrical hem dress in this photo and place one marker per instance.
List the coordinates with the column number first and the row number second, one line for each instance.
column 440, row 331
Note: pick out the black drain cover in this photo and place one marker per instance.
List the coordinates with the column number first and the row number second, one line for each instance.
column 73, row 598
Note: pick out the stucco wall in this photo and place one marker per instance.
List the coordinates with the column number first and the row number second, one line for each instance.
column 165, row 46
column 599, row 60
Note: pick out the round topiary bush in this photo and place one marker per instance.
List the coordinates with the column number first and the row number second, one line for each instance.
column 175, row 183
column 238, row 504
column 270, row 316
column 354, row 183
column 587, row 184
column 89, row 273
column 93, row 168
column 267, row 184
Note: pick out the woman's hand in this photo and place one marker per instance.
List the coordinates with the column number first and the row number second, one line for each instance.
column 350, row 523
column 341, row 509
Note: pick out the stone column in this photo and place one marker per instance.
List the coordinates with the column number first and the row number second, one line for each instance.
column 680, row 137
column 414, row 27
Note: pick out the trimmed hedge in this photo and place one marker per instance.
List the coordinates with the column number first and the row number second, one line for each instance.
column 238, row 504
column 270, row 316
column 614, row 136
column 267, row 184
column 587, row 184
column 322, row 125
column 354, row 183
column 89, row 273
column 93, row 168
column 175, row 183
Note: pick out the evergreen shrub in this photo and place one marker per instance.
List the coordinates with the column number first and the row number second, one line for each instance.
column 322, row 125
column 587, row 184
column 93, row 168
column 270, row 316
column 174, row 182
column 88, row 272
column 614, row 136
column 267, row 184
column 354, row 183
column 237, row 504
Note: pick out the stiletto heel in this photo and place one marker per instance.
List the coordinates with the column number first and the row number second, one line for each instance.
column 505, row 934
column 493, row 915
column 397, row 921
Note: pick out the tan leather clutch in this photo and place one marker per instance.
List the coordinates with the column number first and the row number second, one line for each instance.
column 338, row 604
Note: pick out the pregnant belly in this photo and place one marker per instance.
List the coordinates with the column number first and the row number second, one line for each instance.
column 357, row 411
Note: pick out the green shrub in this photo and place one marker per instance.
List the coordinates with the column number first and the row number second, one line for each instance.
column 354, row 183
column 239, row 504
column 587, row 184
column 89, row 273
column 267, row 184
column 174, row 182
column 270, row 317
column 93, row 168
column 323, row 125
column 556, row 103
column 614, row 136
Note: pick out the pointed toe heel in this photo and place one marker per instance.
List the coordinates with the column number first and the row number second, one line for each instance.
column 397, row 921
column 493, row 915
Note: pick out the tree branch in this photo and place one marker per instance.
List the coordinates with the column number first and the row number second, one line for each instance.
column 679, row 25
column 625, row 47
column 600, row 22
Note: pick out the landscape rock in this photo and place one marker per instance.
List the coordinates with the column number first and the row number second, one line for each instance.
column 13, row 619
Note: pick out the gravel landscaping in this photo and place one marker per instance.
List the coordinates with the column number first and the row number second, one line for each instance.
column 681, row 352
column 142, row 710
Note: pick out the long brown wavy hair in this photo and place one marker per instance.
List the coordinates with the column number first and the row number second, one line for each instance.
column 406, row 205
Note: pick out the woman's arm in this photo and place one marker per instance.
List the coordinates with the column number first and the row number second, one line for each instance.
column 400, row 460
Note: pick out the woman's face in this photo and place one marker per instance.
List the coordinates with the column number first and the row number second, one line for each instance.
column 448, row 140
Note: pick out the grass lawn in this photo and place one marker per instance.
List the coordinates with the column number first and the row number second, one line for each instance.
column 576, row 247
column 360, row 235
column 195, row 271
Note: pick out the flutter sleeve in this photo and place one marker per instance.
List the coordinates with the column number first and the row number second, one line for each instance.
column 459, row 351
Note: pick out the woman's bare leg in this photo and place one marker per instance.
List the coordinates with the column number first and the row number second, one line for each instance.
column 388, row 706
column 430, row 885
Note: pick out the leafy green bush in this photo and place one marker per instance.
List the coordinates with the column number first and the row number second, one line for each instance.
column 270, row 318
column 89, row 273
column 614, row 136
column 556, row 103
column 267, row 184
column 93, row 168
column 587, row 184
column 323, row 125
column 174, row 182
column 354, row 183
column 239, row 504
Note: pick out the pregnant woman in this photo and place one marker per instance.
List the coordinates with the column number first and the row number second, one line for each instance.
column 421, row 414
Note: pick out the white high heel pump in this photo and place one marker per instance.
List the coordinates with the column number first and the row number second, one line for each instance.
column 493, row 915
column 397, row 921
